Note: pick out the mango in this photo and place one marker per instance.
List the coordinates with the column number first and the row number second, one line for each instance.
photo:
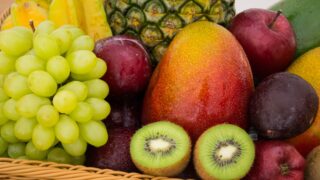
column 204, row 79
column 23, row 13
column 307, row 66
column 7, row 23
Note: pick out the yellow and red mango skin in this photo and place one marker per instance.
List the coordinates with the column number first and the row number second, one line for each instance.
column 204, row 79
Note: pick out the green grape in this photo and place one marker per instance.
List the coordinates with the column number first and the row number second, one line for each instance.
column 42, row 83
column 27, row 33
column 45, row 46
column 47, row 116
column 76, row 148
column 65, row 101
column 43, row 137
column 16, row 41
column 67, row 130
column 7, row 132
column 29, row 105
column 31, row 52
column 64, row 38
column 29, row 63
column 97, row 72
column 3, row 145
column 84, row 42
column 5, row 155
column 82, row 113
column 97, row 88
column 45, row 27
column 23, row 128
column 58, row 68
column 16, row 150
column 78, row 160
column 78, row 88
column 16, row 85
column 59, row 155
column 94, row 132
column 3, row 96
column 10, row 111
column 75, row 31
column 2, row 77
column 82, row 61
column 6, row 63
column 35, row 154
column 23, row 157
column 101, row 108
column 3, row 118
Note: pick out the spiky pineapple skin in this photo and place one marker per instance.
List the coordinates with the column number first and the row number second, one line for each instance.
column 156, row 22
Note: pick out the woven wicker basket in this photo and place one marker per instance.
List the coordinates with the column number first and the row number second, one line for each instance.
column 17, row 169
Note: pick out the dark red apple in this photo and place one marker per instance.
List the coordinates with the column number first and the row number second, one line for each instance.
column 115, row 154
column 129, row 67
column 267, row 38
column 276, row 160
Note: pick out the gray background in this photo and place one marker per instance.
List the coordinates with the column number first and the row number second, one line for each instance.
column 246, row 4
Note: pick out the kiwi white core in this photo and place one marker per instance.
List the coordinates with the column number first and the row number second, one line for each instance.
column 159, row 145
column 227, row 152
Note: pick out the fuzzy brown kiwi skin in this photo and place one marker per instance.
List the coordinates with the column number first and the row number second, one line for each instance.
column 313, row 163
column 170, row 171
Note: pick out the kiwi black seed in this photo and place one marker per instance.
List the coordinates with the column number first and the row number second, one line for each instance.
column 224, row 152
column 161, row 149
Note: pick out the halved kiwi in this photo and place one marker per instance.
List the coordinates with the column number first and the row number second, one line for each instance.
column 161, row 149
column 224, row 152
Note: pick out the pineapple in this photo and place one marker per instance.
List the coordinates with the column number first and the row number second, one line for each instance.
column 156, row 22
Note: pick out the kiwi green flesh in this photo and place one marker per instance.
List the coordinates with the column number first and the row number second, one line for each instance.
column 160, row 145
column 224, row 152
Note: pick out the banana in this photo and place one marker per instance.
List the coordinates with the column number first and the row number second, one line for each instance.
column 86, row 14
column 63, row 12
column 96, row 23
column 43, row 3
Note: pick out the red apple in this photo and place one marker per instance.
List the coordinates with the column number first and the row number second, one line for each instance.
column 276, row 160
column 129, row 68
column 267, row 38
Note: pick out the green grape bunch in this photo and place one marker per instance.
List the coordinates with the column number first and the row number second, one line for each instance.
column 52, row 100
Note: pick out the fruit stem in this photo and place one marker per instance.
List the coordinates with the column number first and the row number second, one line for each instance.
column 275, row 18
column 285, row 169
column 32, row 25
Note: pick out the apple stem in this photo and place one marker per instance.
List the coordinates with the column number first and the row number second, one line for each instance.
column 284, row 168
column 275, row 18
column 31, row 24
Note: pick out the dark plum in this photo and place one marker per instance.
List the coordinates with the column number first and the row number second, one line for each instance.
column 126, row 113
column 129, row 68
column 115, row 154
column 283, row 106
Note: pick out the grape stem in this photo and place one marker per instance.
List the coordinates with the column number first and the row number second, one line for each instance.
column 32, row 25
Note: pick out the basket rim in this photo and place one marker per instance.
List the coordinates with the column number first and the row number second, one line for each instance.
column 33, row 169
